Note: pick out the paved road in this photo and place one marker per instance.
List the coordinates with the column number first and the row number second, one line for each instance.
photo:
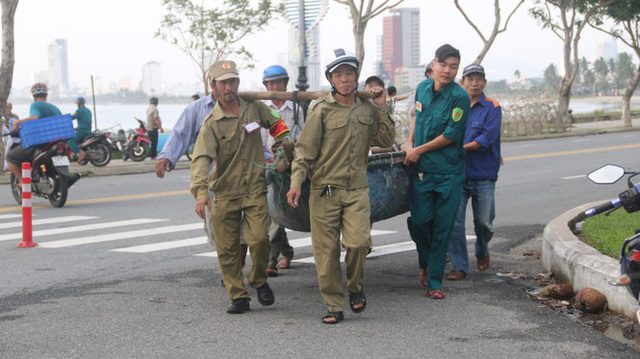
column 101, row 287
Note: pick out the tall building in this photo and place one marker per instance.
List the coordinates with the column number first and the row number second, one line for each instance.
column 58, row 76
column 151, row 82
column 607, row 49
column 400, row 40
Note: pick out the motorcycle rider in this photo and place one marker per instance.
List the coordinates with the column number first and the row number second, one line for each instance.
column 83, row 115
column 40, row 108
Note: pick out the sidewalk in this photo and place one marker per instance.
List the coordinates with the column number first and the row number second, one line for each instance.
column 115, row 167
column 583, row 129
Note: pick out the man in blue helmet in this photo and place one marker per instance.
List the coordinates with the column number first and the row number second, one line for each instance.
column 83, row 115
column 276, row 78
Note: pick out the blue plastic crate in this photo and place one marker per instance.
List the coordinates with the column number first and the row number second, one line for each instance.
column 45, row 130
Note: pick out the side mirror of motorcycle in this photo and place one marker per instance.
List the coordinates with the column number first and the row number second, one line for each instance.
column 607, row 174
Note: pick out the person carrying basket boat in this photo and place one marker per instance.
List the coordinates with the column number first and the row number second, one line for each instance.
column 333, row 151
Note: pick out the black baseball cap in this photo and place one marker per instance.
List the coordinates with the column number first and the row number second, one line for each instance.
column 445, row 51
column 473, row 69
column 374, row 78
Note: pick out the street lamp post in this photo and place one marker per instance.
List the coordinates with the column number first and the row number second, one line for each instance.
column 302, row 44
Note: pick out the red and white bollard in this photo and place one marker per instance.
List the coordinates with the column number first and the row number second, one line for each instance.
column 27, row 229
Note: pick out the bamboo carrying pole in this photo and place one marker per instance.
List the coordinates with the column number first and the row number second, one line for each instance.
column 302, row 96
column 307, row 95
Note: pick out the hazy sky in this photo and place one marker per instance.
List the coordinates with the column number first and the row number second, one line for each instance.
column 112, row 39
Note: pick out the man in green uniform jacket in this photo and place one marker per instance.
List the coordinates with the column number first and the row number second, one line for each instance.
column 230, row 140
column 436, row 149
column 83, row 115
column 333, row 151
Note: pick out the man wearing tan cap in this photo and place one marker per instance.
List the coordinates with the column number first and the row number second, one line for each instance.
column 230, row 141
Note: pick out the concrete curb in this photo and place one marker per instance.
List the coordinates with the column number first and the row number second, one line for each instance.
column 575, row 262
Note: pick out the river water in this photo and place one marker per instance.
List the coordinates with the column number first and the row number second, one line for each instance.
column 110, row 115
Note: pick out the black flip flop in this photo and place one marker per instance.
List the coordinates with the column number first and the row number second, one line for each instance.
column 338, row 316
column 357, row 298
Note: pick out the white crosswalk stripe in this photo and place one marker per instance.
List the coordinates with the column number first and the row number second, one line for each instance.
column 96, row 230
column 302, row 242
column 154, row 247
column 377, row 251
column 118, row 236
column 9, row 216
column 38, row 222
column 88, row 227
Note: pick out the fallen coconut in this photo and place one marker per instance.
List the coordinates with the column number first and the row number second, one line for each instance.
column 561, row 291
column 590, row 300
column 558, row 291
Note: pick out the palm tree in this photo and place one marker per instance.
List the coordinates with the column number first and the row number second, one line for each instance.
column 601, row 70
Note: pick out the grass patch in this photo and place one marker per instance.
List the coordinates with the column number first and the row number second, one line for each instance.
column 607, row 233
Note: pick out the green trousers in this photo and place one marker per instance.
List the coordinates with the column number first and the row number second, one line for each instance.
column 227, row 219
column 348, row 210
column 434, row 203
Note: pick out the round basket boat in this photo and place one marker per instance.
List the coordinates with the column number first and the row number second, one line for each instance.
column 388, row 181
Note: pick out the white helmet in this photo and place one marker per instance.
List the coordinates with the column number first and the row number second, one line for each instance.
column 342, row 58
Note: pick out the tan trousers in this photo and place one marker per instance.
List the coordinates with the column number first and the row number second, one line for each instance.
column 226, row 219
column 348, row 210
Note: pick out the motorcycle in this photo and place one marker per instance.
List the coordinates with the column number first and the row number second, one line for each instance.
column 137, row 145
column 98, row 149
column 50, row 177
column 630, row 201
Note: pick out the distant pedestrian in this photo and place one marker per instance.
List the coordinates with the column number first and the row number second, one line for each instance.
column 154, row 123
column 482, row 145
column 8, row 119
column 83, row 116
column 392, row 91
column 442, row 111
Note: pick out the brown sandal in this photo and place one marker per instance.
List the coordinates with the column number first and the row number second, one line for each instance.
column 484, row 263
column 456, row 275
column 284, row 263
column 436, row 294
column 423, row 277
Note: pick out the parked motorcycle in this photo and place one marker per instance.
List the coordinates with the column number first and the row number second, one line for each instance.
column 50, row 177
column 98, row 149
column 137, row 145
column 630, row 201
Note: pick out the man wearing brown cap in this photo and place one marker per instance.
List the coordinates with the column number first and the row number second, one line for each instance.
column 230, row 141
column 436, row 149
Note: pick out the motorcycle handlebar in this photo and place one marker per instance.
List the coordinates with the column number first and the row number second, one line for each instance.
column 629, row 199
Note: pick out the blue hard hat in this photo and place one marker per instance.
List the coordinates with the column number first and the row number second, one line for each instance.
column 274, row 72
column 81, row 100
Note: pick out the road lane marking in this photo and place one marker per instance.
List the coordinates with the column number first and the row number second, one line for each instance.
column 573, row 177
column 154, row 247
column 9, row 216
column 87, row 227
column 103, row 199
column 46, row 221
column 562, row 153
column 300, row 242
column 118, row 236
